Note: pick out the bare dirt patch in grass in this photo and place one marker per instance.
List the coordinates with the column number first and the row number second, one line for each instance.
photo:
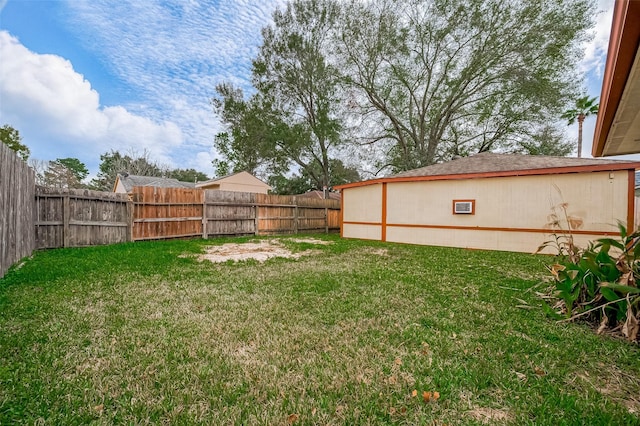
column 490, row 415
column 260, row 250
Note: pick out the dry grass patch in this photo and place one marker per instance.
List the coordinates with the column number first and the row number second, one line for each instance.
column 490, row 416
column 260, row 251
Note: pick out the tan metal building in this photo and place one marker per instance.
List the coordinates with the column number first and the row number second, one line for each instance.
column 493, row 201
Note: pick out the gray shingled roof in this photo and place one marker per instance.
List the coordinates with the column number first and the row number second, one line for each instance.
column 129, row 181
column 488, row 162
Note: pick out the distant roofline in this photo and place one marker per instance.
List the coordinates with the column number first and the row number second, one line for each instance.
column 210, row 181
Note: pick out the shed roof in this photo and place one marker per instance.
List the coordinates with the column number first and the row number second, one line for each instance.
column 488, row 164
column 129, row 181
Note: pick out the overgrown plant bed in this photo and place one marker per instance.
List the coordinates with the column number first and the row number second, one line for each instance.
column 597, row 283
column 352, row 332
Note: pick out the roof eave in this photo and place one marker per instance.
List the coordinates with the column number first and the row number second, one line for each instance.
column 609, row 167
column 623, row 47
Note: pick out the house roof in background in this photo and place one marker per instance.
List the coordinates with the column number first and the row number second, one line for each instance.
column 488, row 164
column 227, row 177
column 618, row 121
column 129, row 181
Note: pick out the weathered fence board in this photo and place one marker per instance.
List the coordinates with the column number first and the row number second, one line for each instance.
column 177, row 213
column 17, row 187
column 229, row 213
column 166, row 212
column 80, row 217
column 318, row 215
column 277, row 214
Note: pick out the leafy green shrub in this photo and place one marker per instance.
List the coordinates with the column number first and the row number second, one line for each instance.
column 597, row 283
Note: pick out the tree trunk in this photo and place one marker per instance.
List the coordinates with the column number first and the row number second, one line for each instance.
column 580, row 121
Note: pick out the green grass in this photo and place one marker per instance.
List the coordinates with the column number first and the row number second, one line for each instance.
column 141, row 334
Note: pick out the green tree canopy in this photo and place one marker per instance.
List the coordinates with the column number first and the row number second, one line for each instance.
column 113, row 162
column 11, row 137
column 412, row 82
column 78, row 168
column 252, row 133
column 435, row 78
column 292, row 120
column 187, row 175
column 65, row 173
column 547, row 140
column 303, row 182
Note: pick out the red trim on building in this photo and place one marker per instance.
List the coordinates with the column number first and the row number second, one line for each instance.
column 384, row 212
column 487, row 228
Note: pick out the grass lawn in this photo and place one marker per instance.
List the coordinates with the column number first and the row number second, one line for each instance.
column 141, row 334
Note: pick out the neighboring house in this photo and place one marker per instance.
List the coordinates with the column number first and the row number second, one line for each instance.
column 493, row 201
column 125, row 182
column 319, row 195
column 618, row 122
column 239, row 182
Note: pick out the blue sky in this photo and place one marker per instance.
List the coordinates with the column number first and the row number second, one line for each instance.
column 82, row 77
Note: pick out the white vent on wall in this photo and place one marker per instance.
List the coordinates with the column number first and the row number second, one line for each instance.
column 463, row 207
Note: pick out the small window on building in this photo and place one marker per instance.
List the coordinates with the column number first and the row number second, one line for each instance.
column 464, row 206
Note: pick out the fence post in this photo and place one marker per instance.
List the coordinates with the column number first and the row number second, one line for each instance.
column 295, row 215
column 205, row 219
column 326, row 219
column 66, row 213
column 256, row 219
column 130, row 209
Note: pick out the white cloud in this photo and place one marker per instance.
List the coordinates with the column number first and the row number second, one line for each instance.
column 173, row 53
column 47, row 100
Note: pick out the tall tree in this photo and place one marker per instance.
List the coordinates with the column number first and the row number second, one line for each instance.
column 112, row 163
column 187, row 175
column 39, row 167
column 248, row 144
column 76, row 167
column 65, row 173
column 584, row 107
column 11, row 137
column 296, row 79
column 303, row 182
column 546, row 140
column 462, row 74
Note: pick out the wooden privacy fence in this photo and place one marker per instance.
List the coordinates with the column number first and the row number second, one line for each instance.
column 166, row 212
column 17, row 188
column 175, row 213
column 80, row 217
column 37, row 217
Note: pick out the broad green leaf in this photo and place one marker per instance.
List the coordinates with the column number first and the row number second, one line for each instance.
column 625, row 289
